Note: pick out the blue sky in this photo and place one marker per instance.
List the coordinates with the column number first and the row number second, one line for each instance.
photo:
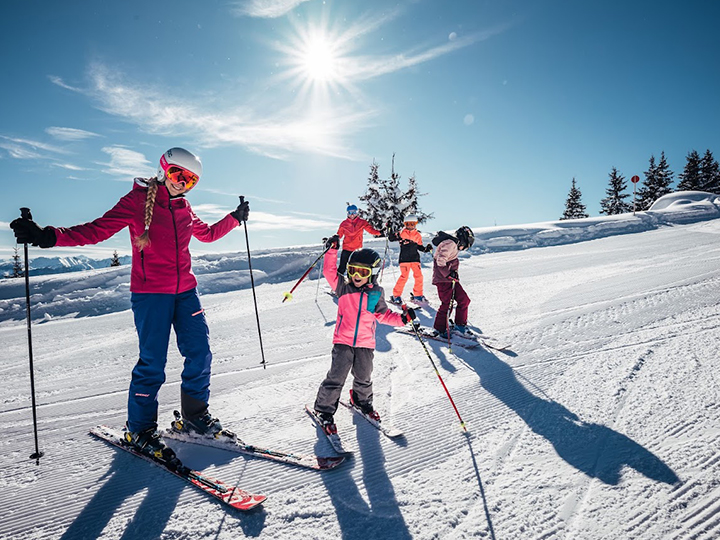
column 494, row 106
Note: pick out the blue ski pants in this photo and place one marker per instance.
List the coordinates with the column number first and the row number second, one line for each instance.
column 155, row 314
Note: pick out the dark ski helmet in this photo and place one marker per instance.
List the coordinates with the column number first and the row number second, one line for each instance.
column 465, row 237
column 368, row 258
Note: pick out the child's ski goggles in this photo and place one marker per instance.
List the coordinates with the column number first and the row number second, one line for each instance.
column 354, row 270
column 180, row 176
column 352, row 213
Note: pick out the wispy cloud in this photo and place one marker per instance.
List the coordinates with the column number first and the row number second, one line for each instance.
column 263, row 221
column 125, row 162
column 268, row 9
column 278, row 134
column 69, row 166
column 27, row 148
column 70, row 134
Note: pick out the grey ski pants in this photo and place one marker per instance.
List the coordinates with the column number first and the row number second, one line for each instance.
column 345, row 359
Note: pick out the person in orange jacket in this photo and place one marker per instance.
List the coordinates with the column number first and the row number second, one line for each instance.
column 351, row 232
column 410, row 245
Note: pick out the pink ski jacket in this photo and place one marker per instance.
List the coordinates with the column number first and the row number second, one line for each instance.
column 352, row 230
column 359, row 310
column 445, row 261
column 164, row 265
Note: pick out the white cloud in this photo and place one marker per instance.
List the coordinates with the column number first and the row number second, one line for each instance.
column 294, row 129
column 27, row 149
column 264, row 221
column 125, row 162
column 69, row 166
column 70, row 134
column 268, row 9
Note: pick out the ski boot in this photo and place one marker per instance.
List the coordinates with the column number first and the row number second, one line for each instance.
column 204, row 426
column 463, row 330
column 396, row 300
column 150, row 443
column 419, row 298
column 328, row 422
column 440, row 334
column 366, row 407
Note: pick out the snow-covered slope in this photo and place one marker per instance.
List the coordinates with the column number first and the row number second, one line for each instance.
column 602, row 421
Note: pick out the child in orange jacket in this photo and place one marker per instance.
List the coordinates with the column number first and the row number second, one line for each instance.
column 410, row 245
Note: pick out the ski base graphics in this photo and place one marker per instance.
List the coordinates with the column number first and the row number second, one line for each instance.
column 226, row 494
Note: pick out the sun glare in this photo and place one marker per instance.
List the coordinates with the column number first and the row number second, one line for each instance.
column 318, row 60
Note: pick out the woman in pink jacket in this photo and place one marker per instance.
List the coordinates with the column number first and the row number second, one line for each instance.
column 163, row 290
column 361, row 305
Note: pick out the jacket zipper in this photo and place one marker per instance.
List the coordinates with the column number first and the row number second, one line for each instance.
column 177, row 251
column 142, row 265
column 357, row 323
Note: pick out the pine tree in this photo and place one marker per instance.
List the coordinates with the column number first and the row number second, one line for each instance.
column 690, row 177
column 709, row 173
column 374, row 199
column 115, row 260
column 657, row 182
column 410, row 201
column 574, row 208
column 387, row 204
column 615, row 203
column 17, row 268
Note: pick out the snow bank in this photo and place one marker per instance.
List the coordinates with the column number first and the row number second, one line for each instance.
column 106, row 290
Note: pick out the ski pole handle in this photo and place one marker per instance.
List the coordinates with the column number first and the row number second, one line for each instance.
column 25, row 213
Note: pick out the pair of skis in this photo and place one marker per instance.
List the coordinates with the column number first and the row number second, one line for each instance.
column 467, row 340
column 335, row 441
column 227, row 495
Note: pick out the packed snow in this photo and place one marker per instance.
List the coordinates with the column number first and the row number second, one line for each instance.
column 602, row 420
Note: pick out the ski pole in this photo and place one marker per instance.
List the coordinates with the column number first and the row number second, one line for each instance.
column 317, row 289
column 447, row 319
column 288, row 295
column 462, row 422
column 252, row 284
column 25, row 213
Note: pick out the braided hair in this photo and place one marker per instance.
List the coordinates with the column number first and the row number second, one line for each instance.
column 142, row 241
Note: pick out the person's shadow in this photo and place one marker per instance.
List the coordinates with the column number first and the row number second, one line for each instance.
column 126, row 477
column 380, row 516
column 594, row 449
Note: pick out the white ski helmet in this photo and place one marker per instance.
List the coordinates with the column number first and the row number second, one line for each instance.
column 411, row 218
column 179, row 157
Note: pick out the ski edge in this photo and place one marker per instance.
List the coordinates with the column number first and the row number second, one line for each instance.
column 334, row 440
column 318, row 463
column 230, row 496
column 389, row 431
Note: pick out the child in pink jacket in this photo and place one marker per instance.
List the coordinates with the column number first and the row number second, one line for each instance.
column 361, row 305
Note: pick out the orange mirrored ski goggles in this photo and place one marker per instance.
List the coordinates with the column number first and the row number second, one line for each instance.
column 354, row 270
column 178, row 176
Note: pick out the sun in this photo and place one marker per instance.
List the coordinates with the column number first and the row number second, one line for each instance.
column 318, row 60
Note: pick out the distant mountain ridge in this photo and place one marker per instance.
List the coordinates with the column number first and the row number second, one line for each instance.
column 60, row 265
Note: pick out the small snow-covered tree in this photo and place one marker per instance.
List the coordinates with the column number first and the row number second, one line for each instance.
column 690, row 177
column 574, row 208
column 658, row 179
column 386, row 203
column 709, row 173
column 410, row 201
column 615, row 203
column 17, row 269
column 115, row 259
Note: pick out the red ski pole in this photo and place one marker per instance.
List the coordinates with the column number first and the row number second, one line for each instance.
column 288, row 295
column 462, row 422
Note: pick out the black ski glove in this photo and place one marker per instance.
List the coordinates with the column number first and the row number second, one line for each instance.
column 453, row 275
column 408, row 315
column 242, row 212
column 333, row 242
column 28, row 232
column 428, row 248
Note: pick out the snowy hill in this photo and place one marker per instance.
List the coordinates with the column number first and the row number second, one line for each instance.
column 601, row 422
